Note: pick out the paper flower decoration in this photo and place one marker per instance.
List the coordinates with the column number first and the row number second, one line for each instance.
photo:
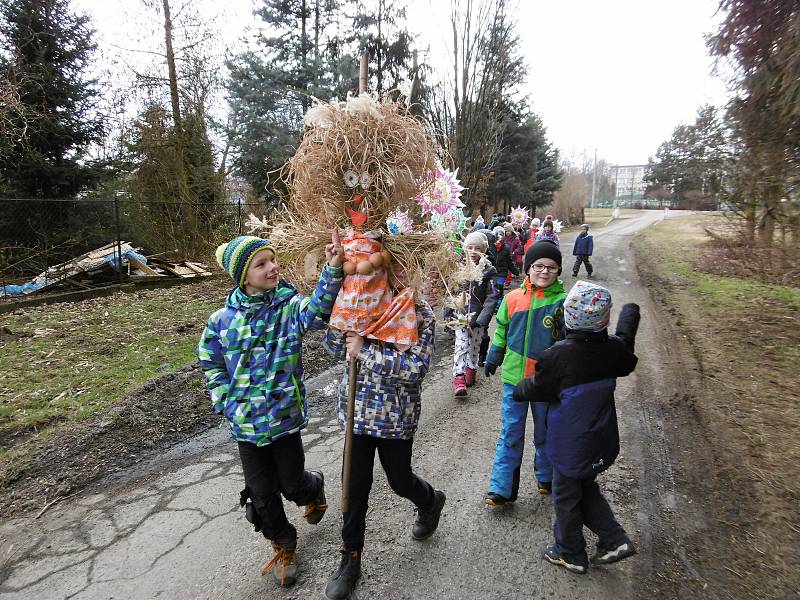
column 442, row 194
column 451, row 221
column 399, row 222
column 557, row 225
column 519, row 216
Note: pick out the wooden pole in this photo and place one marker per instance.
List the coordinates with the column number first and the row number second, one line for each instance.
column 352, row 362
column 363, row 78
column 348, row 434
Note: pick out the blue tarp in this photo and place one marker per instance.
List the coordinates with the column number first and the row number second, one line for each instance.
column 50, row 276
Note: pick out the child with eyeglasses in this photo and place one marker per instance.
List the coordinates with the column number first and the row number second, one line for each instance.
column 530, row 320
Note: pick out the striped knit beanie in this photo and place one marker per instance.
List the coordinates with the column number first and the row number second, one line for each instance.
column 587, row 307
column 235, row 256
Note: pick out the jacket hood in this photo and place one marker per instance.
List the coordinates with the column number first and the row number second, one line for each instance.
column 238, row 298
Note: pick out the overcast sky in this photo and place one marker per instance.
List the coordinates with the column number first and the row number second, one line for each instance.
column 617, row 75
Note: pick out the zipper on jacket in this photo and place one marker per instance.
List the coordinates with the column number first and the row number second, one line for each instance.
column 527, row 331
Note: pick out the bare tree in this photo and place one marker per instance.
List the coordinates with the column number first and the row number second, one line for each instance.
column 469, row 110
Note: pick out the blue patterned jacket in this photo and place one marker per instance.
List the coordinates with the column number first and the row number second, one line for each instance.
column 389, row 382
column 250, row 352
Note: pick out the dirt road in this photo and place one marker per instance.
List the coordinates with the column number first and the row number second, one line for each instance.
column 173, row 529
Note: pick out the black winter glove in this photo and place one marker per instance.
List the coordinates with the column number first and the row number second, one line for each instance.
column 523, row 392
column 489, row 369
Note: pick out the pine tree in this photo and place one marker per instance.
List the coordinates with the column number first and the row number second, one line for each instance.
column 272, row 83
column 46, row 49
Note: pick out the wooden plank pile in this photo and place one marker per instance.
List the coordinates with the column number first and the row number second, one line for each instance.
column 99, row 266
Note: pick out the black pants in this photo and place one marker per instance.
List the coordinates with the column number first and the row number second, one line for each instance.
column 579, row 502
column 275, row 469
column 395, row 456
column 582, row 258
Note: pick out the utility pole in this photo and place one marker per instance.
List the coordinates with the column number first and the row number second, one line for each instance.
column 594, row 176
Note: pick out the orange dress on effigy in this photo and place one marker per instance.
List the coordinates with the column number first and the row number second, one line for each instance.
column 365, row 303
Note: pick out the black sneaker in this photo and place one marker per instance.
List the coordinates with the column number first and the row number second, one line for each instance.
column 428, row 520
column 571, row 565
column 606, row 556
column 496, row 500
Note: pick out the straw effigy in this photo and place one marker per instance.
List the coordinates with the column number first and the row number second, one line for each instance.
column 390, row 154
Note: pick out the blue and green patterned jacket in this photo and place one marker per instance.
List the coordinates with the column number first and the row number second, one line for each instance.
column 250, row 352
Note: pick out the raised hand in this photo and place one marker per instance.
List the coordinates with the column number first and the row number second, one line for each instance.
column 334, row 253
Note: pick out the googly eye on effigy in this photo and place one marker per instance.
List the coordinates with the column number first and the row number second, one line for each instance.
column 351, row 178
column 365, row 179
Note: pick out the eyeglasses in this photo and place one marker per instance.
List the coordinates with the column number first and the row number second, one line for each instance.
column 543, row 268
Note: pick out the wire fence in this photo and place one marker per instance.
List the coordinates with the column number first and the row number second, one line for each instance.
column 36, row 234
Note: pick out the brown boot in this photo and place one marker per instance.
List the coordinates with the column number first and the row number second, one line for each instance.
column 282, row 565
column 315, row 509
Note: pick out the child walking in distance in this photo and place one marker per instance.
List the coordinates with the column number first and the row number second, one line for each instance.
column 582, row 250
column 530, row 320
column 503, row 261
column 250, row 353
column 547, row 233
column 387, row 409
column 577, row 377
column 481, row 296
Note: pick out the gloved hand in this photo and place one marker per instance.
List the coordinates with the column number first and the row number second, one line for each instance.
column 489, row 368
column 523, row 392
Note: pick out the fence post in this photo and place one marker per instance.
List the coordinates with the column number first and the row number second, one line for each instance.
column 119, row 240
column 239, row 199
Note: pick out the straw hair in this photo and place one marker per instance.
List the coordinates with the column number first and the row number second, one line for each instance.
column 381, row 139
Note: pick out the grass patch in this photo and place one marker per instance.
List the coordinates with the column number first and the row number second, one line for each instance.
column 598, row 217
column 65, row 362
column 745, row 335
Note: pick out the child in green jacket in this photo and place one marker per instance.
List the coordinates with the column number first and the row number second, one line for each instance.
column 530, row 320
column 250, row 352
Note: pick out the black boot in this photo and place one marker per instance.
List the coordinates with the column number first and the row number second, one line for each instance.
column 428, row 520
column 484, row 349
column 340, row 586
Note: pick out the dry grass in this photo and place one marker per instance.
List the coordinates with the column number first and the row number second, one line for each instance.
column 746, row 338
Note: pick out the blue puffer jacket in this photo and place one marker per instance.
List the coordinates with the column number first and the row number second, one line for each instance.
column 578, row 377
column 583, row 244
column 389, row 382
column 250, row 352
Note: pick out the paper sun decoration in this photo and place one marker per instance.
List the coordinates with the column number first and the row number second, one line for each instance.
column 557, row 226
column 443, row 194
column 451, row 221
column 399, row 222
column 519, row 216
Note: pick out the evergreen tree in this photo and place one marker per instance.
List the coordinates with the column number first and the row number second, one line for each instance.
column 378, row 28
column 527, row 170
column 690, row 164
column 272, row 83
column 46, row 49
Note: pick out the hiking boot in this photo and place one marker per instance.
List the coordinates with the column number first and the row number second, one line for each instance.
column 570, row 564
column 282, row 565
column 606, row 556
column 315, row 509
column 496, row 500
column 469, row 377
column 459, row 386
column 428, row 520
column 340, row 586
column 545, row 487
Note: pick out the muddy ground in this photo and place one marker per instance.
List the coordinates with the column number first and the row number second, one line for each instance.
column 162, row 413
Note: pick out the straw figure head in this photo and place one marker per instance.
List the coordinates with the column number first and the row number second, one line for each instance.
column 357, row 162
